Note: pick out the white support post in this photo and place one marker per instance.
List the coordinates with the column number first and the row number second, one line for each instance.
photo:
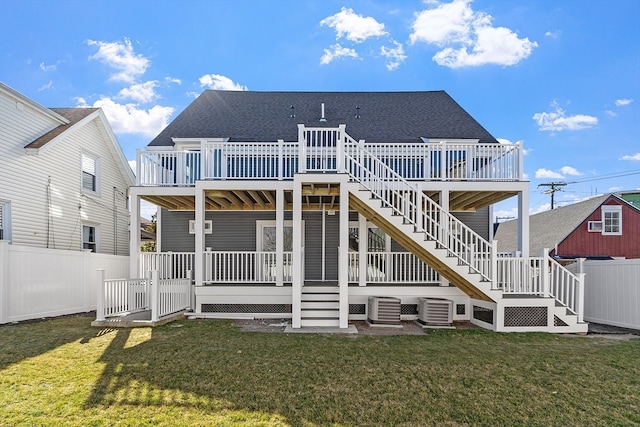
column 100, row 295
column 340, row 148
column 443, row 161
column 520, row 160
column 279, row 237
column 580, row 297
column 494, row 264
column 363, row 250
column 444, row 204
column 198, row 264
column 4, row 281
column 545, row 278
column 154, row 286
column 302, row 150
column 523, row 223
column 134, row 235
column 280, row 159
column 297, row 257
column 343, row 256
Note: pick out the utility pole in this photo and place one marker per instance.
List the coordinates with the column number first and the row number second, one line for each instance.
column 553, row 187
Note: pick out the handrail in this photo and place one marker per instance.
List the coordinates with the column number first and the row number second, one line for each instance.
column 418, row 209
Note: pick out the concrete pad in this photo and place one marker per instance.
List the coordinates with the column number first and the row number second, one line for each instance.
column 321, row 330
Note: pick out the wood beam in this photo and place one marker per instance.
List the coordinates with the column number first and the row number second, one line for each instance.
column 257, row 198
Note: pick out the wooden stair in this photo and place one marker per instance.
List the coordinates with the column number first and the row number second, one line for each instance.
column 320, row 306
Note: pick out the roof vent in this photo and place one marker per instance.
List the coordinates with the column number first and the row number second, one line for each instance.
column 357, row 111
column 293, row 111
column 322, row 119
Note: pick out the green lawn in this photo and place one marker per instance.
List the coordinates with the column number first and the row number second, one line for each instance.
column 202, row 373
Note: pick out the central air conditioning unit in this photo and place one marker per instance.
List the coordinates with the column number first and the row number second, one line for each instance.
column 385, row 310
column 435, row 311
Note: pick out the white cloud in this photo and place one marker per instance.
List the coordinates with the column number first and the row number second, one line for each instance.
column 46, row 86
column 336, row 52
column 219, row 82
column 122, row 58
column 610, row 113
column 614, row 189
column 525, row 151
column 502, row 215
column 553, row 34
column 568, row 170
column 623, row 102
column 354, row 27
column 632, row 157
column 467, row 37
column 542, row 208
column 140, row 92
column 558, row 120
column 395, row 55
column 543, row 173
column 44, row 67
column 173, row 80
column 130, row 119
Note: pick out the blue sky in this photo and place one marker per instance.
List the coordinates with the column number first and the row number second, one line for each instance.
column 563, row 77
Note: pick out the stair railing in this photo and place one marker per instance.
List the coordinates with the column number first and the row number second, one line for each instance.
column 407, row 200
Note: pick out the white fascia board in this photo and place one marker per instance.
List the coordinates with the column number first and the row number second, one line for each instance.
column 12, row 93
column 72, row 129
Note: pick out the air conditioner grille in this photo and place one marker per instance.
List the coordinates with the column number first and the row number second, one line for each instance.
column 384, row 310
column 435, row 311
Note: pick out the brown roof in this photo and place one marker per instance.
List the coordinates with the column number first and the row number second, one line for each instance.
column 74, row 115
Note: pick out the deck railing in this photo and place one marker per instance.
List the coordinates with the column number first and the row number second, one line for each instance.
column 392, row 268
column 162, row 297
column 323, row 150
column 245, row 267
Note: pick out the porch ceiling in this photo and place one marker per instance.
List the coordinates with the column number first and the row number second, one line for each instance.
column 314, row 195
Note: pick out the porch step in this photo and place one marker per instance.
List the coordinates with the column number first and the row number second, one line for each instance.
column 319, row 313
column 320, row 297
column 320, row 305
column 319, row 323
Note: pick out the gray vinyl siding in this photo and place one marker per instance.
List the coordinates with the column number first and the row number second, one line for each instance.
column 478, row 221
column 313, row 245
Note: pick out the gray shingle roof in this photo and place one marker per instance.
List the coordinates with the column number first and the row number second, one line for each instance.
column 74, row 115
column 547, row 229
column 266, row 116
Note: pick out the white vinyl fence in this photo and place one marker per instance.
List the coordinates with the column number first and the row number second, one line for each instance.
column 612, row 291
column 38, row 282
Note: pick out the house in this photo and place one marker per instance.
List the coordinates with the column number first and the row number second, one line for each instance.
column 605, row 226
column 323, row 207
column 63, row 178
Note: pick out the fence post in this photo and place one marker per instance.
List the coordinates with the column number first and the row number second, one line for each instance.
column 100, row 294
column 302, row 149
column 493, row 269
column 188, row 299
column 154, row 286
column 580, row 299
column 4, row 281
column 544, row 273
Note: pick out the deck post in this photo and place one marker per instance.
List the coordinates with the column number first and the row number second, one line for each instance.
column 523, row 223
column 446, row 229
column 580, row 297
column 154, row 286
column 363, row 250
column 297, row 257
column 302, row 150
column 279, row 237
column 340, row 150
column 545, row 278
column 134, row 234
column 100, row 295
column 343, row 254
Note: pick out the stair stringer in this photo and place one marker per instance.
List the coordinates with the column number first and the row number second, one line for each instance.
column 461, row 276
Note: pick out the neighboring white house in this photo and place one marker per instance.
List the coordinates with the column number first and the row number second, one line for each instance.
column 64, row 179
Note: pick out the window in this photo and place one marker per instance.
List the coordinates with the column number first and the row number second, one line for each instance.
column 90, row 238
column 4, row 222
column 90, row 173
column 612, row 220
column 208, row 226
column 266, row 236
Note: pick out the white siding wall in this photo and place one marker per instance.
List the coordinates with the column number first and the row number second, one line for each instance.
column 55, row 219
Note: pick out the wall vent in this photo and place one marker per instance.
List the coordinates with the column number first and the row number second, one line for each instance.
column 595, row 226
column 435, row 311
column 384, row 310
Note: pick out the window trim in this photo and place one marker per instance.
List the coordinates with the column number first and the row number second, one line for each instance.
column 5, row 220
column 260, row 224
column 614, row 209
column 96, row 160
column 96, row 233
